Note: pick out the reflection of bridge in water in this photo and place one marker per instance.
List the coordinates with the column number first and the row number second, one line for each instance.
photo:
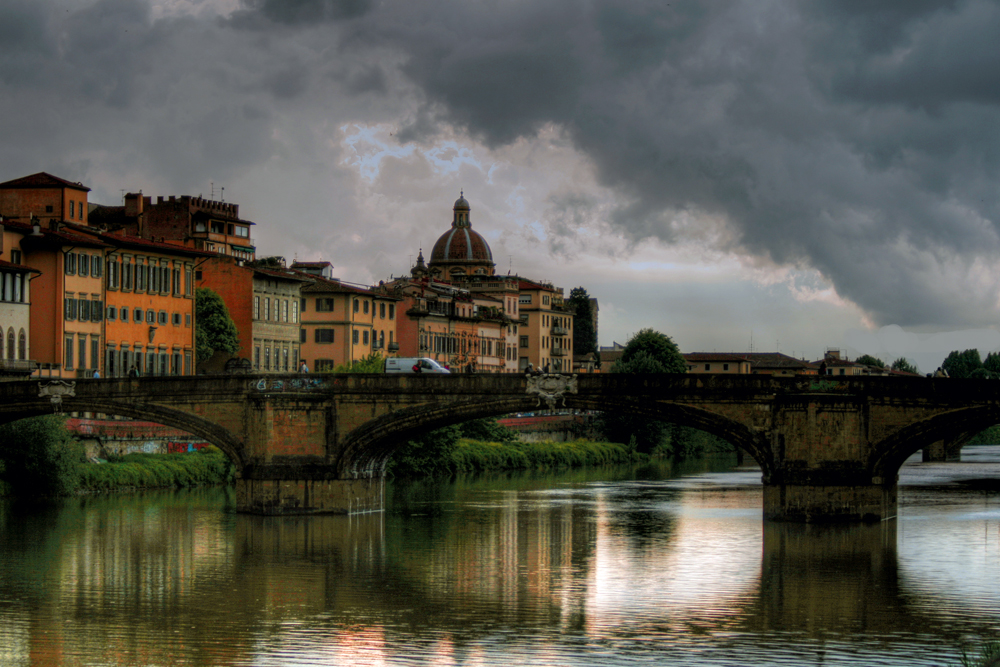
column 827, row 448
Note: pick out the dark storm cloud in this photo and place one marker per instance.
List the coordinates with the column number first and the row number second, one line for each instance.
column 855, row 138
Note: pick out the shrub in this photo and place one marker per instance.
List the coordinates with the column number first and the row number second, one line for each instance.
column 40, row 457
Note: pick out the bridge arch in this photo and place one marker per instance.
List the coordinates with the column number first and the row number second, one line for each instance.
column 368, row 447
column 961, row 424
column 161, row 414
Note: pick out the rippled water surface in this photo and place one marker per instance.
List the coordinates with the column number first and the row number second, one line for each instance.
column 611, row 568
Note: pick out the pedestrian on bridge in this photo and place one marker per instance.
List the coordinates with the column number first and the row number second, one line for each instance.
column 303, row 367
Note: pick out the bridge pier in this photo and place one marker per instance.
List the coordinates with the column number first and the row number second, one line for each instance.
column 943, row 450
column 828, row 501
column 309, row 496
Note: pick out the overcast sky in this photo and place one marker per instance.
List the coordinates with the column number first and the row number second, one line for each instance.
column 783, row 175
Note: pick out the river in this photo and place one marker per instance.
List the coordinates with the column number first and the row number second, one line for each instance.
column 615, row 567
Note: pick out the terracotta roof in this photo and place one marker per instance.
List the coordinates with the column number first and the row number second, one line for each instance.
column 43, row 180
column 524, row 283
column 17, row 267
column 283, row 275
column 312, row 265
column 117, row 239
column 714, row 356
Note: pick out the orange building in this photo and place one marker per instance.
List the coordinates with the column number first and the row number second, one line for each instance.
column 66, row 310
column 342, row 323
column 150, row 307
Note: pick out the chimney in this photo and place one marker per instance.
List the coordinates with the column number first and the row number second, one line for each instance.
column 134, row 204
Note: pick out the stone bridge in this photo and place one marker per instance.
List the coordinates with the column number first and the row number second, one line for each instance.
column 829, row 449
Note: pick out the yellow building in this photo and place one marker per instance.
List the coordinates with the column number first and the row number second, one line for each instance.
column 545, row 338
column 342, row 323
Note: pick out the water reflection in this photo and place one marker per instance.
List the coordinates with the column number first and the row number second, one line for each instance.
column 599, row 566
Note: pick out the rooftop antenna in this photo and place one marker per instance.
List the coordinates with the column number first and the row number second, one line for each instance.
column 123, row 195
column 211, row 190
column 223, row 196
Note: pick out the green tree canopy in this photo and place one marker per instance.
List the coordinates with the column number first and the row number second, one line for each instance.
column 902, row 364
column 992, row 363
column 584, row 333
column 869, row 360
column 40, row 456
column 962, row 364
column 655, row 345
column 373, row 363
column 648, row 351
column 214, row 328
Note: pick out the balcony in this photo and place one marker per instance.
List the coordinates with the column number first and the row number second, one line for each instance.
column 560, row 331
column 17, row 368
column 558, row 352
column 393, row 347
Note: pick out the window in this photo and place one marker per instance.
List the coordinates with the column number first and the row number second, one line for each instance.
column 137, row 315
column 83, row 265
column 524, row 341
column 256, row 307
column 295, row 311
column 256, row 357
column 354, row 335
column 69, row 262
column 95, row 266
column 381, row 311
column 284, row 358
column 72, row 212
column 84, row 309
column 357, row 305
column 161, row 317
column 545, row 299
column 267, row 358
column 267, row 308
column 366, row 307
column 302, row 335
column 708, row 367
column 124, row 315
column 154, row 277
column 140, row 275
column 70, row 303
column 112, row 312
column 68, row 350
column 725, row 367
column 365, row 337
column 524, row 298
column 187, row 322
column 48, row 208
column 324, row 305
column 176, row 318
column 392, row 311
column 284, row 310
column 150, row 317
column 96, row 310
column 127, row 273
column 95, row 352
column 22, row 345
column 321, row 335
column 325, row 365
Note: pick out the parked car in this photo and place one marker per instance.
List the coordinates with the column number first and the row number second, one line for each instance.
column 413, row 365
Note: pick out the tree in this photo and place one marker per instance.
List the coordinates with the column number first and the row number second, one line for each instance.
column 40, row 456
column 869, row 360
column 661, row 350
column 373, row 363
column 584, row 332
column 902, row 364
column 214, row 328
column 962, row 364
column 648, row 351
column 992, row 363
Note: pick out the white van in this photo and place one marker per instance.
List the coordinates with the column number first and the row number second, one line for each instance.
column 411, row 364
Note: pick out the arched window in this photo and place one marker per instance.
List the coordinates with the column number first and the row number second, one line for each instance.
column 11, row 343
column 22, row 345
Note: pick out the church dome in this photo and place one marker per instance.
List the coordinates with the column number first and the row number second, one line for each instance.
column 461, row 248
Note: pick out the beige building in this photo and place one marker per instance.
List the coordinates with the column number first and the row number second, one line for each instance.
column 277, row 296
column 545, row 337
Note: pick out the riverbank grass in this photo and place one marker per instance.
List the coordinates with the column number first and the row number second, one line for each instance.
column 150, row 471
